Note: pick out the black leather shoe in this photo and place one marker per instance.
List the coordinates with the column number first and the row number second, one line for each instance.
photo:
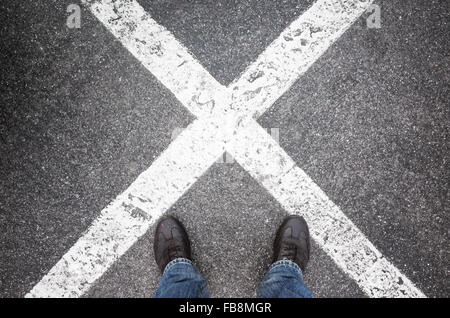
column 292, row 241
column 171, row 242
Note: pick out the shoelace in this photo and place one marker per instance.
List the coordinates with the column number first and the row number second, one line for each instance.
column 289, row 251
column 174, row 250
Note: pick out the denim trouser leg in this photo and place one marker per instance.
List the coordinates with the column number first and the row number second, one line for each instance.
column 182, row 280
column 284, row 280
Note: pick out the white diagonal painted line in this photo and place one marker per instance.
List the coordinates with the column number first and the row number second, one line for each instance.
column 157, row 49
column 172, row 173
column 129, row 216
column 108, row 238
column 336, row 234
column 293, row 53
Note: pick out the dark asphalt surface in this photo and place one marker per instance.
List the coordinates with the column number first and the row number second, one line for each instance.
column 80, row 118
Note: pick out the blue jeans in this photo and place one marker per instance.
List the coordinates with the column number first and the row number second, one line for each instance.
column 182, row 280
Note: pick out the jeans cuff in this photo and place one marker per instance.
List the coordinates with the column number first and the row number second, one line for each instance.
column 177, row 261
column 286, row 263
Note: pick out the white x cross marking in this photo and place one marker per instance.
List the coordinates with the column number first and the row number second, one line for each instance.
column 226, row 122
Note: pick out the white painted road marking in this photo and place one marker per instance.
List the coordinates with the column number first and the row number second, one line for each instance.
column 225, row 123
